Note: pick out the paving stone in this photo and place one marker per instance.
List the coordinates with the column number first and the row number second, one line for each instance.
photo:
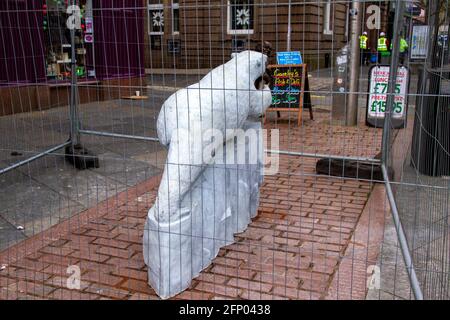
column 290, row 251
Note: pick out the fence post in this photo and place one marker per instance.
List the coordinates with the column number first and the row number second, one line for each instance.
column 399, row 10
column 76, row 154
column 352, row 102
column 73, row 112
column 289, row 27
column 385, row 144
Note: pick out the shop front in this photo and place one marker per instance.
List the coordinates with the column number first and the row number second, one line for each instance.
column 35, row 51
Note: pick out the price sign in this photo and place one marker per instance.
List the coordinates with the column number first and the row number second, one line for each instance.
column 377, row 99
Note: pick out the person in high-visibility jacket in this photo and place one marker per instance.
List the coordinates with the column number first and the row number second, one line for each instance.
column 363, row 47
column 382, row 47
column 403, row 50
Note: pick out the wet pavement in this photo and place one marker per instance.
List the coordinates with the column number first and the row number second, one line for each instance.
column 49, row 190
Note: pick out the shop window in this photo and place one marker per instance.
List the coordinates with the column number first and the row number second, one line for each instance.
column 240, row 17
column 155, row 18
column 57, row 39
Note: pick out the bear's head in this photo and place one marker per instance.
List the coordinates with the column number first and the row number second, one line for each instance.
column 252, row 62
column 251, row 66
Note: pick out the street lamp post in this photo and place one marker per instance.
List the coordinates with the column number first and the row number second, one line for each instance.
column 355, row 29
column 288, row 38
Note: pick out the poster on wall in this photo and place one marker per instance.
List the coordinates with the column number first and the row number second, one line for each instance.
column 377, row 98
column 419, row 42
column 89, row 25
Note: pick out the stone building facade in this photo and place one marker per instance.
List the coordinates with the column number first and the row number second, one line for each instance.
column 197, row 34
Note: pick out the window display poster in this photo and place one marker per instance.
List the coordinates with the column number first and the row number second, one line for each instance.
column 89, row 25
column 88, row 38
column 419, row 42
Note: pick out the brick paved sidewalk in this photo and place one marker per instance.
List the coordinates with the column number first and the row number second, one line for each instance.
column 292, row 250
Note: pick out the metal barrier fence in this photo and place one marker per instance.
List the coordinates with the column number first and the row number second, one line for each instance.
column 83, row 82
column 420, row 184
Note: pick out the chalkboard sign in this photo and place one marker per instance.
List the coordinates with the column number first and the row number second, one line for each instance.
column 287, row 85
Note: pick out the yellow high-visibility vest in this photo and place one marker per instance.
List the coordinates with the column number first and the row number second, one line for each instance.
column 403, row 45
column 363, row 42
column 382, row 44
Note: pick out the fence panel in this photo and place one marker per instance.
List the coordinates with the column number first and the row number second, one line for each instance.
column 102, row 197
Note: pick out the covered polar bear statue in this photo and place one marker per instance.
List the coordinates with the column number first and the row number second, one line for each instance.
column 210, row 186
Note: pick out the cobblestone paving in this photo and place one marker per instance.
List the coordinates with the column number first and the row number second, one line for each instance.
column 291, row 250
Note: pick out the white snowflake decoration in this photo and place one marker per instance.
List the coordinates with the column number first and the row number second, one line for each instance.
column 243, row 16
column 158, row 19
